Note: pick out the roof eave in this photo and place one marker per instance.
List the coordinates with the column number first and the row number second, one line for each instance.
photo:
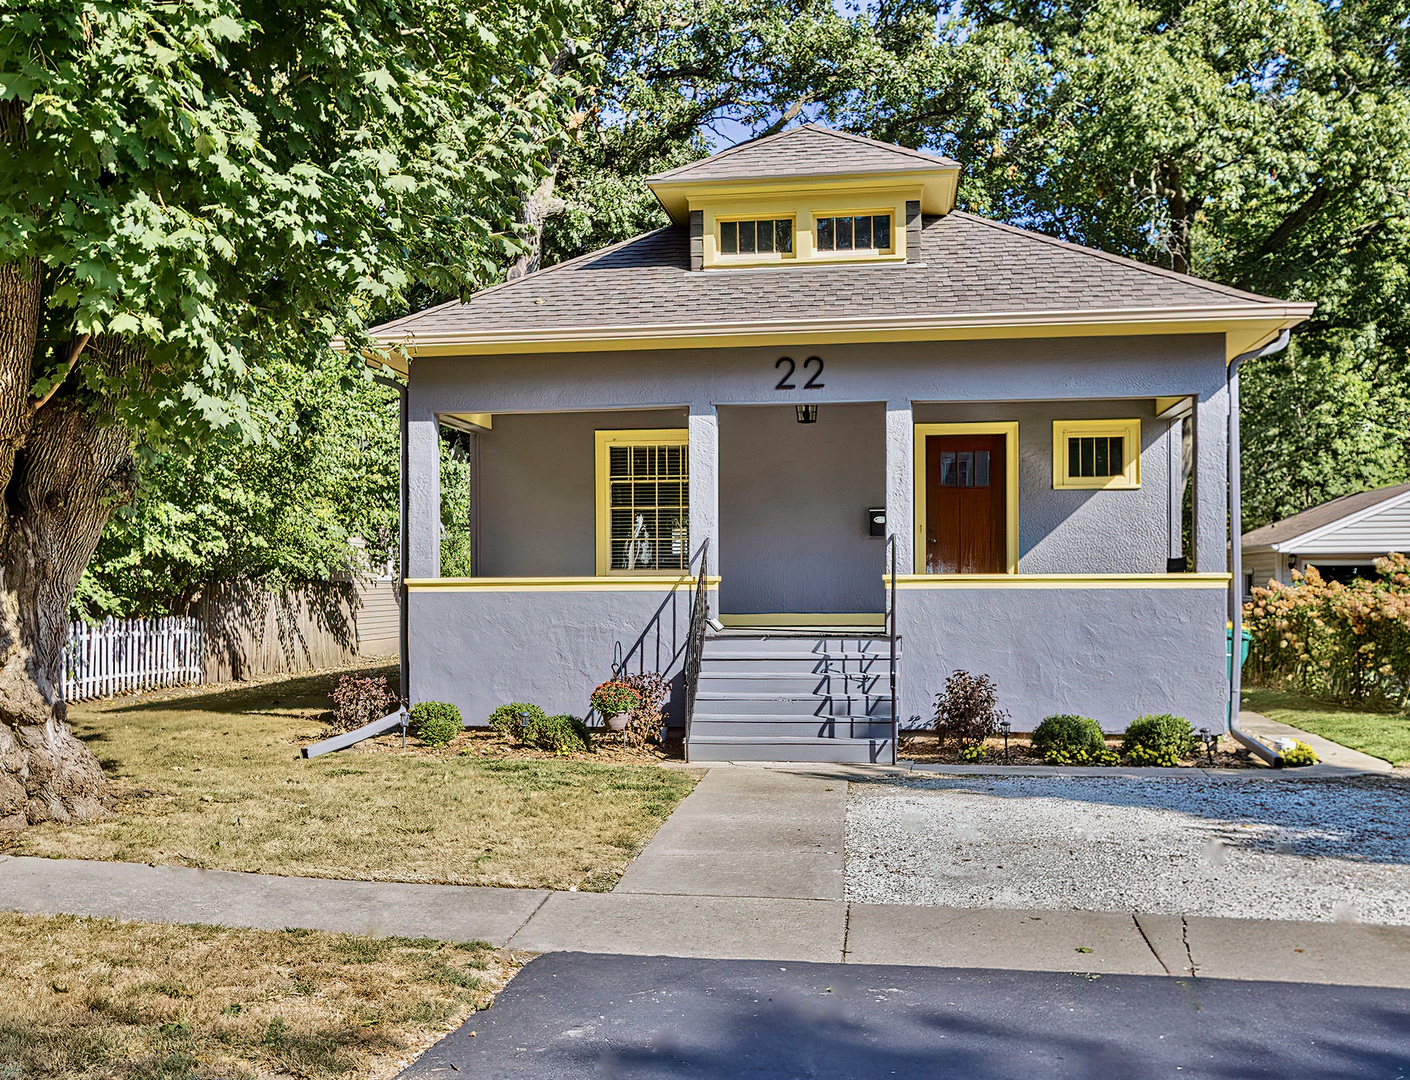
column 937, row 187
column 1238, row 323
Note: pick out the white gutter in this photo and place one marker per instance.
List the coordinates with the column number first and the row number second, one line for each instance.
column 1236, row 558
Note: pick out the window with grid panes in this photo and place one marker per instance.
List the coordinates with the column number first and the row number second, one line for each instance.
column 764, row 236
column 648, row 499
column 1096, row 453
column 861, row 232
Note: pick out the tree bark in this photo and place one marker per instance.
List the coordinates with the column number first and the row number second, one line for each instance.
column 73, row 469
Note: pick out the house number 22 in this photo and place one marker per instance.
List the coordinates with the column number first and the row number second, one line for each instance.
column 813, row 383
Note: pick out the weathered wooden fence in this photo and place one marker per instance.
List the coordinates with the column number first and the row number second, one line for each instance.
column 122, row 655
column 234, row 632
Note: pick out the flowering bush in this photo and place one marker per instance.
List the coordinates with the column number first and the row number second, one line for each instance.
column 614, row 697
column 1072, row 740
column 1158, row 740
column 1343, row 642
column 1300, row 754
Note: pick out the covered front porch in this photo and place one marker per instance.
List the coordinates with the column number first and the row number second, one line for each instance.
column 587, row 531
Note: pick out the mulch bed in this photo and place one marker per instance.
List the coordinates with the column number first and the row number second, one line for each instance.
column 922, row 748
column 607, row 749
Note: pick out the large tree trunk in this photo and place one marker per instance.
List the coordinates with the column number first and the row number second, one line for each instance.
column 73, row 469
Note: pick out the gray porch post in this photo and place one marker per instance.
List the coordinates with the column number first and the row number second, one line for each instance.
column 900, row 480
column 424, row 493
column 703, row 458
column 1209, row 545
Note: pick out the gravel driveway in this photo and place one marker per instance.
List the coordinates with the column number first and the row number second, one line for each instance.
column 1256, row 848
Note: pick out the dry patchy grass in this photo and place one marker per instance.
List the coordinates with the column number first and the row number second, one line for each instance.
column 213, row 779
column 89, row 998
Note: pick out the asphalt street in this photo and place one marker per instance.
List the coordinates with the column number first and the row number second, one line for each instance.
column 591, row 1015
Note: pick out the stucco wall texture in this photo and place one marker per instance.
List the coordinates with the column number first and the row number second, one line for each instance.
column 1109, row 653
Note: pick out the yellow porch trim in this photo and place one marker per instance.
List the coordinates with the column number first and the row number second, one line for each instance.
column 1006, row 428
column 785, row 621
column 1060, row 581
column 630, row 583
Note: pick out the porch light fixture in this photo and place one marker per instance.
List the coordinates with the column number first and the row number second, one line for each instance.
column 1004, row 726
column 807, row 414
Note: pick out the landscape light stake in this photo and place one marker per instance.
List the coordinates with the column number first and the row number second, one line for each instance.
column 1209, row 741
column 1004, row 726
column 404, row 719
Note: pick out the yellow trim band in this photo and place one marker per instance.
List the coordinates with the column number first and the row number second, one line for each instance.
column 556, row 584
column 1059, row 581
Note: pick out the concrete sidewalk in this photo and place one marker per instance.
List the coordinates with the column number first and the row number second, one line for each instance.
column 720, row 927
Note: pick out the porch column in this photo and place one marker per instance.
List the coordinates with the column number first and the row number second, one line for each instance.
column 703, row 459
column 423, row 558
column 1209, row 552
column 900, row 481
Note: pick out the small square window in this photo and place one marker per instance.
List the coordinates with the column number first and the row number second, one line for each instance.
column 1096, row 454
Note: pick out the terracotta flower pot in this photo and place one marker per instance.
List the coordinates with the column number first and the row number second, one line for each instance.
column 618, row 722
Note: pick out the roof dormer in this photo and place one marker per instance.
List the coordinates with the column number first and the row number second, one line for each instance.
column 807, row 196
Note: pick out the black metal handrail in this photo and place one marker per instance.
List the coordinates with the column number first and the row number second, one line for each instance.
column 895, row 639
column 695, row 641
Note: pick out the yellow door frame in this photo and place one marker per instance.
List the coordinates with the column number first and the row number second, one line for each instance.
column 1009, row 430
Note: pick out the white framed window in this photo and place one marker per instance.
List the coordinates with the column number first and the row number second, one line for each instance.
column 643, row 501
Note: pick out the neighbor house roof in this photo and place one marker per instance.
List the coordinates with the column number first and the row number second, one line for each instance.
column 809, row 150
column 1284, row 535
column 972, row 275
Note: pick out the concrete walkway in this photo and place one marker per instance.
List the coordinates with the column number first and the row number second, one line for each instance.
column 1333, row 755
column 723, row 927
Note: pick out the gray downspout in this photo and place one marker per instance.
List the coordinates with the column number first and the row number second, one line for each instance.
column 1236, row 555
column 403, row 635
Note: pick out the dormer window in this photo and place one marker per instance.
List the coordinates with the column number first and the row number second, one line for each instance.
column 758, row 236
column 867, row 233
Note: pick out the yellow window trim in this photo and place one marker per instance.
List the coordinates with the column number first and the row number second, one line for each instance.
column 1128, row 430
column 852, row 255
column 753, row 258
column 624, row 437
column 1006, row 428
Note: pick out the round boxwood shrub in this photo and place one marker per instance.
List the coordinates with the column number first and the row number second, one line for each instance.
column 508, row 720
column 1158, row 740
column 1072, row 740
column 562, row 734
column 435, row 723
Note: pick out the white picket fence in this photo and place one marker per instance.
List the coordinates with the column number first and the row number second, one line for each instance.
column 122, row 655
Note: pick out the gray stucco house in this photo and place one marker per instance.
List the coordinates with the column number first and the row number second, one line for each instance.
column 703, row 450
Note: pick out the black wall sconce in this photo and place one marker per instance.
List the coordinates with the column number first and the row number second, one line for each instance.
column 807, row 414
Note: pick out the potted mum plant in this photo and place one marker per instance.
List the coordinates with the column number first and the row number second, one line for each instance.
column 613, row 701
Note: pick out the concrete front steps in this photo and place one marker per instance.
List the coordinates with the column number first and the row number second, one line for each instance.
column 772, row 695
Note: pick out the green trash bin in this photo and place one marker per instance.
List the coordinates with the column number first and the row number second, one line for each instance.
column 1229, row 648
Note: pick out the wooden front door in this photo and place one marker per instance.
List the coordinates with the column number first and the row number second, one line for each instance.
column 965, row 504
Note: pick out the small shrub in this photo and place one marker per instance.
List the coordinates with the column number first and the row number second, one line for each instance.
column 645, row 720
column 435, row 723
column 1158, row 740
column 967, row 712
column 614, row 697
column 1072, row 740
column 361, row 699
column 508, row 720
column 973, row 754
column 1301, row 754
column 563, row 734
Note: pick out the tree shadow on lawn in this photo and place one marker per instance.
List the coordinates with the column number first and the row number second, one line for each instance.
column 304, row 691
column 1360, row 819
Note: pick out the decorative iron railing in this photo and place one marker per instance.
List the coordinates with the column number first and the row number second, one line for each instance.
column 695, row 642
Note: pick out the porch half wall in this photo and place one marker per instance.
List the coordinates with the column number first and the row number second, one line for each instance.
column 550, row 645
column 1112, row 653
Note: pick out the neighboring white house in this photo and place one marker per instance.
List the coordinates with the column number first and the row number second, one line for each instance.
column 1341, row 538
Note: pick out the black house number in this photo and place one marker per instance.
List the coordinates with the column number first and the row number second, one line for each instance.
column 814, row 381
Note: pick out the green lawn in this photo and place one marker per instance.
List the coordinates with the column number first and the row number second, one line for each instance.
column 1382, row 735
column 213, row 778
